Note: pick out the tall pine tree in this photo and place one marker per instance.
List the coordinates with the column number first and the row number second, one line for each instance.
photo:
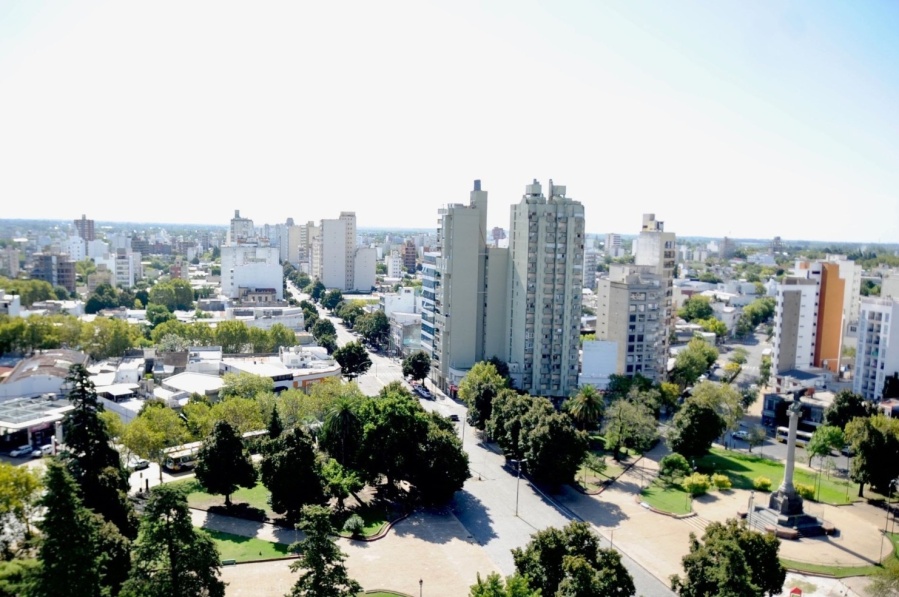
column 324, row 574
column 171, row 558
column 223, row 464
column 90, row 458
column 70, row 563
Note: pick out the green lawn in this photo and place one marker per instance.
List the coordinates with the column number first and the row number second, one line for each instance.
column 667, row 499
column 744, row 468
column 246, row 549
column 375, row 518
column 257, row 497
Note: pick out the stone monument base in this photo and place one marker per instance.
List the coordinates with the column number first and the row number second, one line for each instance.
column 805, row 524
column 786, row 503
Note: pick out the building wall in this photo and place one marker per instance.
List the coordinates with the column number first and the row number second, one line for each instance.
column 828, row 342
column 235, row 257
column 877, row 352
column 496, row 316
column 364, row 268
column 600, row 361
column 545, row 288
column 795, row 323
column 258, row 275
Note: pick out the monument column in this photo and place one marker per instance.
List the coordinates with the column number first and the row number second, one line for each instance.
column 793, row 411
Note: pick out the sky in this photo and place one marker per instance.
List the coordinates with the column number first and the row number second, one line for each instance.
column 744, row 119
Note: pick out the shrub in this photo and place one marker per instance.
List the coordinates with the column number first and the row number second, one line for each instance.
column 806, row 492
column 762, row 483
column 673, row 466
column 722, row 482
column 354, row 525
column 696, row 484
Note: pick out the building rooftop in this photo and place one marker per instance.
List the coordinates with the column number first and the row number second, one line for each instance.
column 194, row 383
column 21, row 413
column 51, row 362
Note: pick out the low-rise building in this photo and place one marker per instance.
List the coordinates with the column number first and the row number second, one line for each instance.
column 43, row 373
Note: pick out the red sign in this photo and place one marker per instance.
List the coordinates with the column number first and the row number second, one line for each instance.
column 796, row 591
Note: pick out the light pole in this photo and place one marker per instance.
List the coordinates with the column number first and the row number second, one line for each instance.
column 518, row 482
column 421, row 584
column 749, row 509
column 886, row 521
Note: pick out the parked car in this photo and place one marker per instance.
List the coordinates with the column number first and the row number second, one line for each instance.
column 741, row 434
column 423, row 391
column 21, row 451
column 138, row 464
column 454, row 418
column 47, row 450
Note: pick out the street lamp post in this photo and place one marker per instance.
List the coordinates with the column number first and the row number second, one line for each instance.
column 886, row 521
column 518, row 482
column 421, row 584
column 749, row 509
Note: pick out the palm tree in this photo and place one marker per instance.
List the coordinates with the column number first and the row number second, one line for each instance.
column 342, row 431
column 586, row 407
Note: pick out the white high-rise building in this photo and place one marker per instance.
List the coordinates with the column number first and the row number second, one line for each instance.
column 241, row 230
column 877, row 351
column 251, row 266
column 336, row 260
column 656, row 249
column 613, row 246
column 429, row 282
column 546, row 256
column 394, row 263
column 76, row 247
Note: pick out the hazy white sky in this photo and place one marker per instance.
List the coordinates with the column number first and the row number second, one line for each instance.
column 748, row 119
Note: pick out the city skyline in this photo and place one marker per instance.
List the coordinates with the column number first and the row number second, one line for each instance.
column 748, row 121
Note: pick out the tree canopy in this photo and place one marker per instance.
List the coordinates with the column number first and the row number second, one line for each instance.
column 478, row 389
column 320, row 560
column 731, row 560
column 417, row 365
column 353, row 360
column 223, row 464
column 696, row 307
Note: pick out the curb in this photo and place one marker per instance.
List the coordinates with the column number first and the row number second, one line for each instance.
column 641, row 503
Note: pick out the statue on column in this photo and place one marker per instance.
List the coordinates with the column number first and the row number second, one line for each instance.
column 785, row 500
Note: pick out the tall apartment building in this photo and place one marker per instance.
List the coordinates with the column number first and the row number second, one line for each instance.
column 336, row 260
column 251, row 266
column 429, row 285
column 546, row 255
column 656, row 250
column 241, row 230
column 590, row 260
column 613, row 246
column 410, row 254
column 85, row 228
column 9, row 262
column 75, row 247
column 630, row 311
column 460, row 289
column 57, row 269
column 877, row 352
column 813, row 307
column 394, row 265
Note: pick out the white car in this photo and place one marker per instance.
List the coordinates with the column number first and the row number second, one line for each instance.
column 741, row 434
column 21, row 451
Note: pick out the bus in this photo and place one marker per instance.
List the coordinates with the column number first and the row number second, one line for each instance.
column 802, row 437
column 181, row 457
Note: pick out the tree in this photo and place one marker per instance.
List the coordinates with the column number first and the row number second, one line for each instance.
column 290, row 472
column 350, row 311
column 157, row 314
column 339, row 481
column 478, row 389
column 281, row 335
column 495, row 586
column 715, row 326
column 341, row 434
column 629, row 424
column 825, row 439
column 374, row 327
column 542, row 561
column 723, row 398
column 90, row 457
column 393, row 428
column 155, row 429
column 259, row 340
column 757, row 436
column 322, row 328
column 441, row 465
column 223, row 464
column 845, row 407
column 243, row 414
column 765, row 370
column 875, row 443
column 353, row 360
column 324, row 574
column 693, row 361
column 585, row 407
column 553, row 448
column 275, row 426
column 70, row 562
column 20, row 487
column 417, row 365
column 232, row 335
column 732, row 560
column 245, row 385
column 332, row 299
column 886, row 580
column 507, row 417
column 693, row 429
column 171, row 557
column 696, row 307
column 317, row 291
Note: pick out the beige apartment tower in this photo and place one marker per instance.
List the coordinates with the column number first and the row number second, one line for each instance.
column 546, row 259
